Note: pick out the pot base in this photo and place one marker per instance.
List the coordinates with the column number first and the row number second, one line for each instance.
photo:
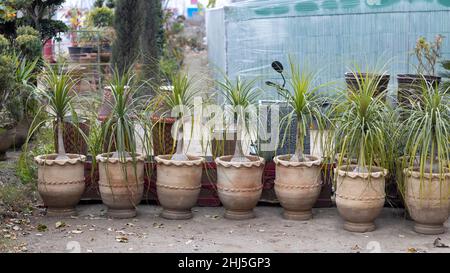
column 122, row 213
column 239, row 215
column 359, row 227
column 61, row 212
column 176, row 214
column 429, row 229
column 297, row 215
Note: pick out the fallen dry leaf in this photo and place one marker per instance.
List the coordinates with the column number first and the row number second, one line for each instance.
column 121, row 239
column 41, row 227
column 438, row 243
column 60, row 224
column 412, row 250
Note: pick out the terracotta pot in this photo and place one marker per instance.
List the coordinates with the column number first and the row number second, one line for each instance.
column 360, row 197
column 121, row 184
column 60, row 183
column 297, row 185
column 178, row 185
column 239, row 185
column 14, row 137
column 427, row 200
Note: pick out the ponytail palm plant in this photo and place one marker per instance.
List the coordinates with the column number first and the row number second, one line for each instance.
column 426, row 131
column 306, row 105
column 57, row 97
column 241, row 96
column 362, row 126
column 119, row 127
column 178, row 101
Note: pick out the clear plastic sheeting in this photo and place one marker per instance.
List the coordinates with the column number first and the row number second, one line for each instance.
column 327, row 36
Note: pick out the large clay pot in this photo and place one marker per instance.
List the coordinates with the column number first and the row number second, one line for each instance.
column 297, row 185
column 121, row 184
column 178, row 185
column 427, row 200
column 60, row 183
column 239, row 185
column 360, row 197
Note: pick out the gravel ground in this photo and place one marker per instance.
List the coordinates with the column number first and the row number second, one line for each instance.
column 92, row 231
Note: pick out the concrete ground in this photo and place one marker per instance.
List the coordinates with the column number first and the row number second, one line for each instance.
column 208, row 231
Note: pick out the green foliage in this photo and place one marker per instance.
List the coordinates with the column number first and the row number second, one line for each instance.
column 6, row 79
column 99, row 3
column 128, row 21
column 100, row 17
column 35, row 14
column 29, row 45
column 426, row 131
column 119, row 126
column 305, row 103
column 43, row 144
column 4, row 44
column 362, row 125
column 152, row 39
column 241, row 96
column 112, row 3
column 27, row 30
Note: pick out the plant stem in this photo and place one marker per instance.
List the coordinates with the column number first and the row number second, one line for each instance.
column 238, row 150
column 299, row 156
column 61, row 150
column 179, row 154
column 361, row 168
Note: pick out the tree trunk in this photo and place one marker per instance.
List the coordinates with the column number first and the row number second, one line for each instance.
column 179, row 154
column 299, row 156
column 239, row 151
column 61, row 149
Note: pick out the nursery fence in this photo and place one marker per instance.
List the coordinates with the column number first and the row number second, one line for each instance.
column 326, row 35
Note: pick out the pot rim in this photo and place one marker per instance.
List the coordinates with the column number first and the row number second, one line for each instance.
column 316, row 161
column 193, row 160
column 379, row 172
column 73, row 159
column 351, row 75
column 224, row 161
column 417, row 77
column 104, row 158
column 412, row 171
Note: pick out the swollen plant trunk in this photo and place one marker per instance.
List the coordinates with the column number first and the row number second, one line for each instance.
column 179, row 154
column 238, row 150
column 298, row 156
column 361, row 167
column 61, row 150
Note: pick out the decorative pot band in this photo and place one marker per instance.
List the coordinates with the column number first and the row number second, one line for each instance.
column 283, row 160
column 178, row 187
column 254, row 189
column 106, row 157
column 50, row 159
column 425, row 198
column 59, row 182
column 225, row 161
column 126, row 184
column 166, row 160
column 376, row 172
column 414, row 172
column 360, row 198
column 302, row 187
